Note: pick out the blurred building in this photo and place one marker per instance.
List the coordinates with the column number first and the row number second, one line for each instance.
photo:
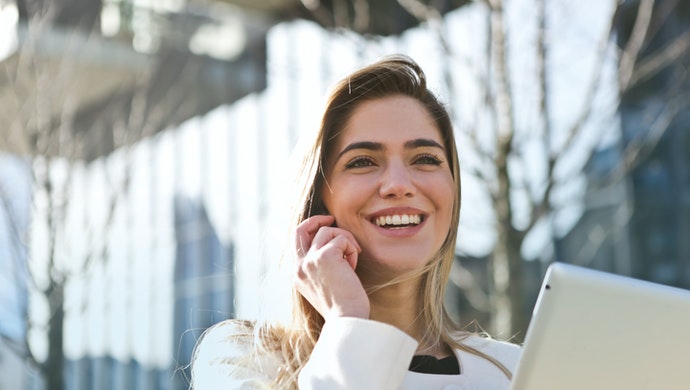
column 638, row 224
column 117, row 53
column 14, row 295
column 204, row 278
column 106, row 372
column 113, row 73
column 203, row 295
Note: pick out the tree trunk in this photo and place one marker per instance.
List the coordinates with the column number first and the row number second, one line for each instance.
column 54, row 366
column 510, row 318
column 500, row 270
column 501, row 278
column 519, row 314
column 506, row 267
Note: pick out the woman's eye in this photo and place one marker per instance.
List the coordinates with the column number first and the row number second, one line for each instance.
column 359, row 162
column 428, row 159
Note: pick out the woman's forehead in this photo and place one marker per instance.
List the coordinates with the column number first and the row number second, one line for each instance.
column 394, row 119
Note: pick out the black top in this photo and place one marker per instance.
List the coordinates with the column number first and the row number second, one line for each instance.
column 426, row 364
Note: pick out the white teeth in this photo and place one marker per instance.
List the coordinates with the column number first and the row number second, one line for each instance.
column 397, row 220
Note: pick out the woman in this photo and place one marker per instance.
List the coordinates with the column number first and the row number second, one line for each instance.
column 374, row 244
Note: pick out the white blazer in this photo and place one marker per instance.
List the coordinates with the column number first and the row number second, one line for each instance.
column 351, row 353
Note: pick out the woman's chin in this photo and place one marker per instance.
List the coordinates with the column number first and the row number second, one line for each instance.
column 392, row 263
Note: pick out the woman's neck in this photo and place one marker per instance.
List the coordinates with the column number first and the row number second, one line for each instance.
column 399, row 305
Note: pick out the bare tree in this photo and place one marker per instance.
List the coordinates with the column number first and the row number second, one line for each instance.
column 507, row 265
column 40, row 103
column 56, row 121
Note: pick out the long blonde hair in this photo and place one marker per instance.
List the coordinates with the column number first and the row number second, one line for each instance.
column 395, row 75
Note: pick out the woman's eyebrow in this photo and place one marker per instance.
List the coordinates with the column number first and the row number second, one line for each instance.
column 377, row 146
column 423, row 142
column 374, row 146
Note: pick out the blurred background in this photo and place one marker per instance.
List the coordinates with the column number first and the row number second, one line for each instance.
column 147, row 148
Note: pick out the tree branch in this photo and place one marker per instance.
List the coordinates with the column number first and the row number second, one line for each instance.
column 640, row 147
column 655, row 62
column 541, row 205
column 628, row 57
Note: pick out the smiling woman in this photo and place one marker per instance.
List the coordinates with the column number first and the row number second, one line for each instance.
column 375, row 236
column 391, row 164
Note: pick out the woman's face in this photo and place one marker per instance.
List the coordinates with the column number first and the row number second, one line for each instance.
column 389, row 183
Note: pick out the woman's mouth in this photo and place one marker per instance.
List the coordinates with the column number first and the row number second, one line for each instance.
column 398, row 221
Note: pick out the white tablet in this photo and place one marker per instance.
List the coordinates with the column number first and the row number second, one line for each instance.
column 596, row 330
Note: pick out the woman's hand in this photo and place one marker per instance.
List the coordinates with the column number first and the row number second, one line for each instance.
column 325, row 269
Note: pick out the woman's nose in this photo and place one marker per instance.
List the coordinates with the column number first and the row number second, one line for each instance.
column 396, row 181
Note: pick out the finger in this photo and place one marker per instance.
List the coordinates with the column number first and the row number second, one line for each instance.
column 339, row 243
column 351, row 256
column 325, row 234
column 305, row 232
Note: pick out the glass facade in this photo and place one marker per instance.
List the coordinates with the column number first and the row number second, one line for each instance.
column 203, row 279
